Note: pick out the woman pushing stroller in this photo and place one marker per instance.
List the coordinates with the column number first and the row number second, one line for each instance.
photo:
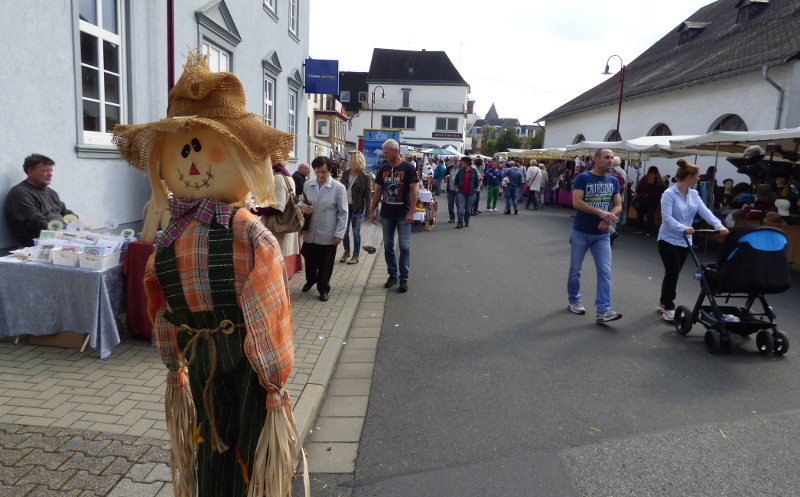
column 679, row 205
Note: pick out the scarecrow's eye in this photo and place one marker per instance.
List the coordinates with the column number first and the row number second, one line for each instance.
column 196, row 144
column 185, row 151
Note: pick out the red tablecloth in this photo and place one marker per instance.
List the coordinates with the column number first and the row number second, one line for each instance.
column 136, row 304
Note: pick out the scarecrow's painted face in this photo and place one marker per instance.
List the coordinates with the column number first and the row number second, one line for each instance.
column 195, row 163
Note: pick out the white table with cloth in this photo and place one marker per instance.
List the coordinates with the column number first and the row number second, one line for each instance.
column 38, row 298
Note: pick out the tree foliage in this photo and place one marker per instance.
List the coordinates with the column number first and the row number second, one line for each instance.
column 508, row 139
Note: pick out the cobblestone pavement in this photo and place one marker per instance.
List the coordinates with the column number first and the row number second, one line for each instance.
column 74, row 425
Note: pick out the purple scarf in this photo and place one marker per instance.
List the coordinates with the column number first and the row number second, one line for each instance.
column 185, row 210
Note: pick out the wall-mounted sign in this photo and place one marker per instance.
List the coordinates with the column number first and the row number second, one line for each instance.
column 322, row 76
column 438, row 134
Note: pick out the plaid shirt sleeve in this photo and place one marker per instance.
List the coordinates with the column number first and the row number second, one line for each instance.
column 264, row 299
column 166, row 334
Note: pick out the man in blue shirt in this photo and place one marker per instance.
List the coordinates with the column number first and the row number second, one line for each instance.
column 596, row 197
column 514, row 183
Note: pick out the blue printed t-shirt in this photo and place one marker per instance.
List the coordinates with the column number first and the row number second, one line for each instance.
column 396, row 182
column 598, row 192
column 494, row 177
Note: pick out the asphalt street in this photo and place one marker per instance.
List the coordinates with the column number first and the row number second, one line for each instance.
column 486, row 385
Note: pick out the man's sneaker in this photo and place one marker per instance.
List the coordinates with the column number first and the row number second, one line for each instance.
column 403, row 286
column 660, row 309
column 608, row 315
column 392, row 281
column 576, row 308
column 668, row 315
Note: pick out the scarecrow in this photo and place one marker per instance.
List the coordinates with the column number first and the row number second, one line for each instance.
column 216, row 288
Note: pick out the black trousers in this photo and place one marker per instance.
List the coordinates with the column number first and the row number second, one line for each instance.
column 319, row 264
column 673, row 258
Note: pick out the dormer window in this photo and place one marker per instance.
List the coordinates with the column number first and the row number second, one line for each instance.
column 750, row 9
column 690, row 30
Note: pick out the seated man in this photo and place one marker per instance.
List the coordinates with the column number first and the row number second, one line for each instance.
column 32, row 204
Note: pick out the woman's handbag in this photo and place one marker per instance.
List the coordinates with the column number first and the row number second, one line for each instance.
column 291, row 219
column 306, row 217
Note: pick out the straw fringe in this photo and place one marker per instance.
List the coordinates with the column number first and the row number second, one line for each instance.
column 276, row 456
column 180, row 425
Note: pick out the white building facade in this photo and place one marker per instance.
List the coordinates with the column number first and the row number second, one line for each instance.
column 95, row 63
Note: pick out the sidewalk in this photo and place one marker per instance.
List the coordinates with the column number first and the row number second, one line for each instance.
column 73, row 425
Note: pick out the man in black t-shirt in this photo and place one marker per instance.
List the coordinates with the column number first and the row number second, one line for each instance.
column 396, row 190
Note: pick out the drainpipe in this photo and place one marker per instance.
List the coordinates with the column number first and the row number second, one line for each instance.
column 779, row 111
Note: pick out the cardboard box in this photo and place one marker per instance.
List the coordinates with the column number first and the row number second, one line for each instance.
column 63, row 339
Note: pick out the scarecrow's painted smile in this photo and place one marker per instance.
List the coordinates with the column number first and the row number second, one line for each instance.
column 196, row 183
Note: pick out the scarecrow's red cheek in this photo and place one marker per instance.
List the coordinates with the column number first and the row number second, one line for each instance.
column 216, row 155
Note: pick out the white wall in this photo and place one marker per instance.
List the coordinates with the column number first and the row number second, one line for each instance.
column 427, row 101
column 687, row 111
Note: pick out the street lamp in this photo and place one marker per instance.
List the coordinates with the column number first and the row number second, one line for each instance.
column 372, row 106
column 621, row 88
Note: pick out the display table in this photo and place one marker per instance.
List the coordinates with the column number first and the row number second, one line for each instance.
column 39, row 298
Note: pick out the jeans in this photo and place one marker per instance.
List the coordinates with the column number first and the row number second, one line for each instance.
column 673, row 258
column 511, row 197
column 354, row 219
column 491, row 196
column 600, row 247
column 436, row 186
column 451, row 200
column 390, row 224
column 464, row 203
column 476, row 198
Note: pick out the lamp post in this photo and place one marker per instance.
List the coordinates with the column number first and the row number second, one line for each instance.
column 621, row 88
column 372, row 105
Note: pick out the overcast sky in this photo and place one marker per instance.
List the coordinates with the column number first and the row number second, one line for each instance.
column 526, row 57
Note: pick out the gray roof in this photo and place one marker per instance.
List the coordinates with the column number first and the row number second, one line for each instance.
column 722, row 49
column 411, row 66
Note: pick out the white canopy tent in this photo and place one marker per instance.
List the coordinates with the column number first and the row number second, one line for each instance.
column 735, row 142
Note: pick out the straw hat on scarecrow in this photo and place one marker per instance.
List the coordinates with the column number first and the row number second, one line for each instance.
column 216, row 101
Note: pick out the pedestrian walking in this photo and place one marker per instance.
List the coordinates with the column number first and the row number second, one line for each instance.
column 595, row 196
column 648, row 199
column 481, row 169
column 450, row 179
column 359, row 197
column 533, row 180
column 396, row 190
column 466, row 182
column 680, row 203
column 493, row 179
column 513, row 185
column 326, row 201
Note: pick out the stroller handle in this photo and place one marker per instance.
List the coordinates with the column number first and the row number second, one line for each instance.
column 698, row 232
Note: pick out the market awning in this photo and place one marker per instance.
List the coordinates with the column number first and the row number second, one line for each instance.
column 735, row 142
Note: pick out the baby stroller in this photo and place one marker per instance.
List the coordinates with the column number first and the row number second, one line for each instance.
column 752, row 263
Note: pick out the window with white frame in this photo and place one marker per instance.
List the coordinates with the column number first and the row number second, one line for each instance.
column 362, row 96
column 399, row 122
column 322, row 128
column 270, row 4
column 344, row 96
column 293, row 17
column 218, row 58
column 269, row 100
column 292, row 112
column 447, row 124
column 406, row 98
column 102, row 62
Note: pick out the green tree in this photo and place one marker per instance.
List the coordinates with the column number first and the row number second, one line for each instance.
column 489, row 147
column 507, row 139
column 534, row 141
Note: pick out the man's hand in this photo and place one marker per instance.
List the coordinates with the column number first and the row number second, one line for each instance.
column 373, row 218
column 607, row 217
column 337, row 240
column 604, row 226
column 410, row 217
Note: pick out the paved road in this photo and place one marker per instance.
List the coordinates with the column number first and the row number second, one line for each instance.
column 485, row 385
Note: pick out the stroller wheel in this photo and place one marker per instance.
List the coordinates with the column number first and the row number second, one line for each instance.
column 781, row 343
column 712, row 340
column 764, row 342
column 683, row 320
column 727, row 341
